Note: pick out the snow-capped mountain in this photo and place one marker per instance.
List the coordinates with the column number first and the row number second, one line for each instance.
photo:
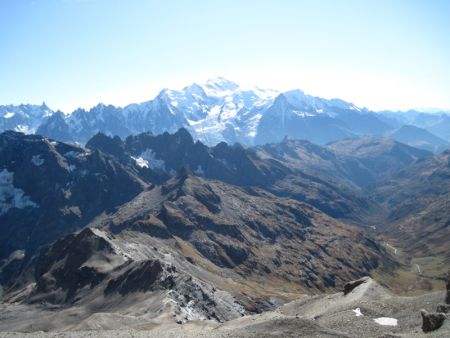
column 25, row 118
column 219, row 110
column 214, row 111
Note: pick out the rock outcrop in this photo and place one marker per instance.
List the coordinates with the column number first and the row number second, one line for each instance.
column 432, row 321
column 348, row 287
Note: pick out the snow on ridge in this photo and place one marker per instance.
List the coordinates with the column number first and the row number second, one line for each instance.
column 140, row 162
column 209, row 108
column 24, row 129
column 75, row 154
column 10, row 196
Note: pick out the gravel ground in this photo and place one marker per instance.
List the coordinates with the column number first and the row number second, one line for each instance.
column 318, row 316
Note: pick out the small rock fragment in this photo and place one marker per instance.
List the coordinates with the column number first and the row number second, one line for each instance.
column 444, row 308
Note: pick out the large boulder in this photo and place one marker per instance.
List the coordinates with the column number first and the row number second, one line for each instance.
column 432, row 320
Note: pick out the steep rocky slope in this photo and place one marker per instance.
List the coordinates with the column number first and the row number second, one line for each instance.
column 49, row 189
column 176, row 242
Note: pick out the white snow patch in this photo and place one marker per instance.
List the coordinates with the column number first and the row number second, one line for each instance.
column 357, row 312
column 386, row 321
column 37, row 160
column 8, row 115
column 10, row 196
column 153, row 163
column 140, row 162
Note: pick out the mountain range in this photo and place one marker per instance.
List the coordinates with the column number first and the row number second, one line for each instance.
column 165, row 229
column 220, row 110
column 222, row 209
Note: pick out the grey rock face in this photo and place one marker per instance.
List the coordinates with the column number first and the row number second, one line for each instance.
column 61, row 188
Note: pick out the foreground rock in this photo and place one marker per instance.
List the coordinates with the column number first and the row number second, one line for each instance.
column 432, row 320
column 326, row 315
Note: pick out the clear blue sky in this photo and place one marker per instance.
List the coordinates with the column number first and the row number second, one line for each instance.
column 68, row 53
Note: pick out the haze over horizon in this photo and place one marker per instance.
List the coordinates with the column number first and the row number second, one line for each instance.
column 77, row 53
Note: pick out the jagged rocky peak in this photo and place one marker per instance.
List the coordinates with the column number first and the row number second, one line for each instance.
column 107, row 144
column 182, row 136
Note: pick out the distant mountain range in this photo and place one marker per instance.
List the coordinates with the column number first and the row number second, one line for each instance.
column 220, row 110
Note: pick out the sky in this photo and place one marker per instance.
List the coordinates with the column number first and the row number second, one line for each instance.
column 381, row 54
